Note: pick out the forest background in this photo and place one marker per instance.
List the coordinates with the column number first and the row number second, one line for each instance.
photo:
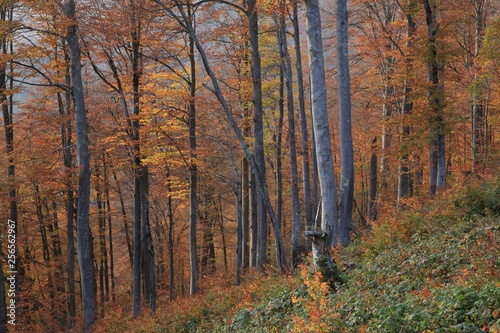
column 168, row 144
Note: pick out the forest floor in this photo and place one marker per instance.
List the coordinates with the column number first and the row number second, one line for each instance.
column 428, row 268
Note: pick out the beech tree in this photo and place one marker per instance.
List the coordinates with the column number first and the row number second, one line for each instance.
column 85, row 255
column 326, row 234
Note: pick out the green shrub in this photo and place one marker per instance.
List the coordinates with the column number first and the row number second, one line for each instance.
column 482, row 199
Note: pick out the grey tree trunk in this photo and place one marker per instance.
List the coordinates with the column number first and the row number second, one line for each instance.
column 84, row 237
column 279, row 155
column 477, row 117
column 372, row 195
column 110, row 227
column 193, row 171
column 136, row 149
column 171, row 273
column 66, row 141
column 306, row 181
column 245, row 214
column 328, row 186
column 286, row 64
column 253, row 220
column 346, row 150
column 437, row 173
column 239, row 232
column 404, row 168
column 253, row 26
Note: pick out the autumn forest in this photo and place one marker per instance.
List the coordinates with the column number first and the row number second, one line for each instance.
column 154, row 149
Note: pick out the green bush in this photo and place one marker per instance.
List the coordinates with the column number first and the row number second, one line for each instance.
column 482, row 199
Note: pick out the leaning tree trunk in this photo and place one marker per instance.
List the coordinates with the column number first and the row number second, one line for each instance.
column 84, row 237
column 239, row 135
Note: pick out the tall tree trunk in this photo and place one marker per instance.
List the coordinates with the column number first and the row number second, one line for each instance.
column 245, row 211
column 323, row 239
column 148, row 254
column 193, row 173
column 84, row 236
column 477, row 117
column 64, row 107
column 346, row 150
column 253, row 26
column 110, row 226
column 222, row 232
column 437, row 171
column 103, row 253
column 306, row 181
column 253, row 220
column 247, row 207
column 404, row 168
column 372, row 196
column 286, row 64
column 171, row 278
column 239, row 234
column 279, row 155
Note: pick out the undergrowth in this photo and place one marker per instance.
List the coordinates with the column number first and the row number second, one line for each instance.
column 428, row 268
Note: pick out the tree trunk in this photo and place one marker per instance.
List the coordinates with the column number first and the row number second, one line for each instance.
column 286, row 64
column 193, row 176
column 66, row 136
column 6, row 13
column 245, row 211
column 328, row 187
column 222, row 232
column 303, row 120
column 437, row 171
column 253, row 26
column 346, row 151
column 110, row 227
column 171, row 278
column 148, row 254
column 253, row 220
column 279, row 155
column 477, row 117
column 404, row 168
column 372, row 196
column 84, row 236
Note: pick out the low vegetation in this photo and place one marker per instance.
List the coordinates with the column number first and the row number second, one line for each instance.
column 432, row 269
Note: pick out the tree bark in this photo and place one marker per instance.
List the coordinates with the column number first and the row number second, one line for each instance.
column 84, row 237
column 437, row 173
column 253, row 26
column 404, row 168
column 346, row 150
column 328, row 186
column 372, row 196
column 286, row 64
column 306, row 181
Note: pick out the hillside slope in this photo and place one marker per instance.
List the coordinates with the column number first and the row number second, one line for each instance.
column 432, row 269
